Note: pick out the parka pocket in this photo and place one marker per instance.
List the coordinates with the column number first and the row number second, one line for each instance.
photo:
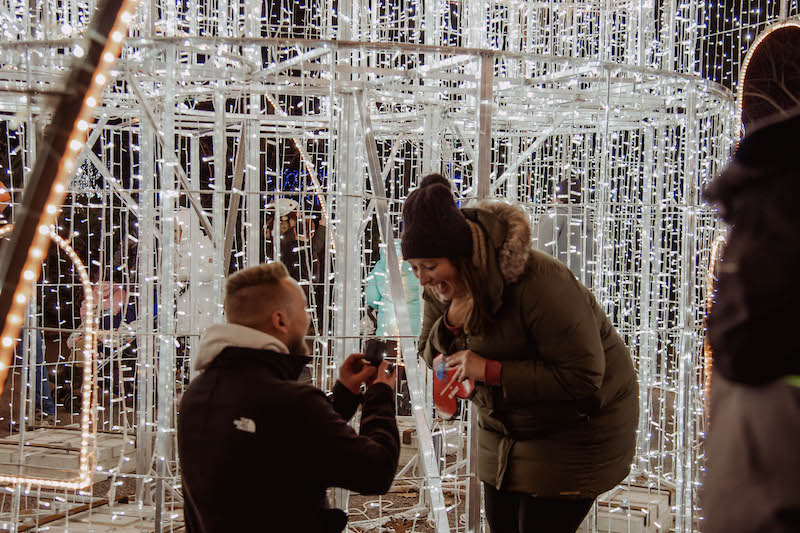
column 482, row 396
column 541, row 421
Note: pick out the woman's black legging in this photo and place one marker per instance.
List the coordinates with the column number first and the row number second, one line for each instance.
column 512, row 512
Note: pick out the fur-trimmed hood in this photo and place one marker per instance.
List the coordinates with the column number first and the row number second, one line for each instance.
column 508, row 245
column 513, row 248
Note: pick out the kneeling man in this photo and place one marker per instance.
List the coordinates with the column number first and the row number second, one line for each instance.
column 258, row 449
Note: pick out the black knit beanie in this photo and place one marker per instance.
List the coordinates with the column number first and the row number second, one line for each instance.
column 433, row 226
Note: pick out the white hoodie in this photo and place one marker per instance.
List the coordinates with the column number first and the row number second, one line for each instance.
column 220, row 336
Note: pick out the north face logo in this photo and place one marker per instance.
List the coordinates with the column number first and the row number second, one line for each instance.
column 245, row 424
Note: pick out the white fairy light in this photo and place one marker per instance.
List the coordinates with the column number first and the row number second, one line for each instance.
column 87, row 427
column 629, row 141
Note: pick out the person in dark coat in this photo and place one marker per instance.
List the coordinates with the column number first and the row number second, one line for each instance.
column 753, row 461
column 258, row 449
column 302, row 248
column 567, row 232
column 555, row 387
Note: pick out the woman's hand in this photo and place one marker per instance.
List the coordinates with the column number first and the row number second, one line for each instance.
column 468, row 365
column 459, row 310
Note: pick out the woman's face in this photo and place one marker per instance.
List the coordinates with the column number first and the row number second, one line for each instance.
column 441, row 274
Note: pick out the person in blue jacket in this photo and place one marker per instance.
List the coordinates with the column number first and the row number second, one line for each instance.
column 379, row 297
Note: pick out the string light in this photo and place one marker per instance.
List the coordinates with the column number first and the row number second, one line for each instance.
column 708, row 356
column 87, row 426
column 75, row 142
column 629, row 141
column 746, row 63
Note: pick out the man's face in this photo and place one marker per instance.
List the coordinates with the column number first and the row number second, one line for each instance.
column 299, row 318
column 284, row 227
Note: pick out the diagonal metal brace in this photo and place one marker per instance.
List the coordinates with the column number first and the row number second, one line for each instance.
column 425, row 439
column 179, row 171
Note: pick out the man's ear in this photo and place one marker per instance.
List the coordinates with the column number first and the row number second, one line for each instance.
column 279, row 322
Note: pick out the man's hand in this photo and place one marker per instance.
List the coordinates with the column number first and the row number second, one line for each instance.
column 384, row 376
column 467, row 364
column 355, row 371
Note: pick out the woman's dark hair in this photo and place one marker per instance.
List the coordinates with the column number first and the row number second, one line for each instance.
column 474, row 279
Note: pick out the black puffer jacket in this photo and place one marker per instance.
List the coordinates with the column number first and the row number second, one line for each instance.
column 753, row 319
column 752, row 447
column 258, row 450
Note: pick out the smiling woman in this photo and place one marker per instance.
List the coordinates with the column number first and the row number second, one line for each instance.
column 554, row 383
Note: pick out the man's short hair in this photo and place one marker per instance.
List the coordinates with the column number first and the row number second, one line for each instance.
column 254, row 291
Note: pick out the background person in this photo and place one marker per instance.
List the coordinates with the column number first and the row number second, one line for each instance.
column 752, row 448
column 45, row 406
column 302, row 249
column 194, row 272
column 556, row 392
column 566, row 231
column 379, row 297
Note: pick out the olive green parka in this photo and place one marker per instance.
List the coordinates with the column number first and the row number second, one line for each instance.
column 563, row 421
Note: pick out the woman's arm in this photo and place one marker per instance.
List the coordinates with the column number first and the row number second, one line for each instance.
column 435, row 337
column 558, row 315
